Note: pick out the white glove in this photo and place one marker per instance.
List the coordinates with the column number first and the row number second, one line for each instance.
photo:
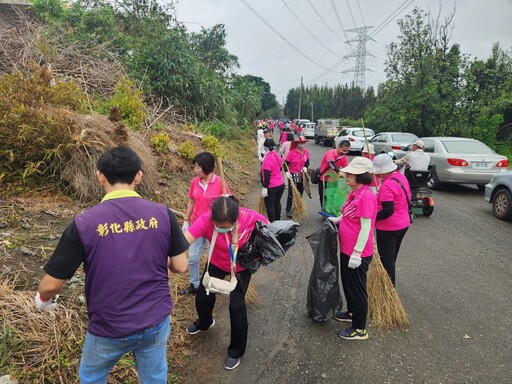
column 49, row 305
column 355, row 260
column 335, row 220
column 289, row 176
column 185, row 226
column 264, row 192
column 304, row 170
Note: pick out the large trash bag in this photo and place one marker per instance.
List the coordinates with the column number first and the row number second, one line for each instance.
column 324, row 297
column 267, row 243
column 335, row 194
column 285, row 231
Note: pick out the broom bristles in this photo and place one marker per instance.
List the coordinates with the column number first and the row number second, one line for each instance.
column 262, row 207
column 385, row 309
column 251, row 296
column 299, row 207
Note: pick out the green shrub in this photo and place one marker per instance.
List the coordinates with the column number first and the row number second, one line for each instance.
column 160, row 142
column 212, row 145
column 219, row 130
column 186, row 150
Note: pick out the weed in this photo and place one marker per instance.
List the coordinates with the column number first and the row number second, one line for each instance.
column 160, row 142
column 212, row 145
column 186, row 150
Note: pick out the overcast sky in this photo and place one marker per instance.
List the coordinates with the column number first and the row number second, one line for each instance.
column 318, row 40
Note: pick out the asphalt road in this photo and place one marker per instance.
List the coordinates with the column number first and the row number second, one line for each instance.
column 454, row 279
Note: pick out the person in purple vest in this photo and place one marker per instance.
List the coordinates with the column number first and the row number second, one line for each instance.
column 127, row 245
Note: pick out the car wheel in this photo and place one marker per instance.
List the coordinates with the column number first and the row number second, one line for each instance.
column 433, row 181
column 481, row 187
column 502, row 204
column 325, row 142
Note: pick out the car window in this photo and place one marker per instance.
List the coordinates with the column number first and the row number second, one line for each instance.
column 383, row 138
column 466, row 146
column 429, row 146
column 360, row 133
column 345, row 132
column 403, row 137
column 374, row 139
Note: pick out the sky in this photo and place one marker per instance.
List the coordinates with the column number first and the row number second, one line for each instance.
column 284, row 40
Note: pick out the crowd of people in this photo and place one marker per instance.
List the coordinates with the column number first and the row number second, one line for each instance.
column 127, row 245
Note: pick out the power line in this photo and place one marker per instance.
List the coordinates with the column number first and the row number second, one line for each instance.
column 381, row 26
column 339, row 20
column 309, row 31
column 323, row 21
column 284, row 38
column 351, row 14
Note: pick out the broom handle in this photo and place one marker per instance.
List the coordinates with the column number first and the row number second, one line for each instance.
column 221, row 171
column 369, row 154
column 288, row 170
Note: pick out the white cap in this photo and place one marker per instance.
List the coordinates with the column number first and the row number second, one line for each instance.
column 358, row 166
column 383, row 163
column 419, row 144
column 368, row 148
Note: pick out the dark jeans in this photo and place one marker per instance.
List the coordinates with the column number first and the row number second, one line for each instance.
column 321, row 192
column 273, row 202
column 388, row 243
column 237, row 309
column 354, row 286
column 300, row 188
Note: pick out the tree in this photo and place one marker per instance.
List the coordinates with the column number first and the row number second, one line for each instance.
column 269, row 99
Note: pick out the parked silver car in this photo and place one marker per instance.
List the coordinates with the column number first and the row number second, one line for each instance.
column 356, row 137
column 309, row 130
column 387, row 142
column 498, row 193
column 460, row 160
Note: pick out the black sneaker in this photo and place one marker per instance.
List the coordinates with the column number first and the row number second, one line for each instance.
column 352, row 334
column 193, row 327
column 189, row 290
column 343, row 316
column 231, row 363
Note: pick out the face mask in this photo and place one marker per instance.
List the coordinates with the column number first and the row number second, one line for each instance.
column 224, row 230
column 300, row 146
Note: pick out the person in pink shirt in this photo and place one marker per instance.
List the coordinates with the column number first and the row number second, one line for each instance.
column 284, row 136
column 356, row 225
column 226, row 218
column 272, row 181
column 285, row 147
column 333, row 160
column 205, row 187
column 297, row 161
column 393, row 218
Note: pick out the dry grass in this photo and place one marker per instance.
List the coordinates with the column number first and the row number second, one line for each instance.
column 385, row 309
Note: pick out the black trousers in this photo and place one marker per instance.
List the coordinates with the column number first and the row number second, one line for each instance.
column 273, row 202
column 354, row 286
column 237, row 309
column 388, row 243
column 300, row 188
column 321, row 186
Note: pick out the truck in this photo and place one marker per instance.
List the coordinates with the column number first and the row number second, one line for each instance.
column 326, row 130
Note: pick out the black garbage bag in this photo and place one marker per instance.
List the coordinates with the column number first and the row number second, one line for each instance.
column 266, row 244
column 324, row 297
column 285, row 231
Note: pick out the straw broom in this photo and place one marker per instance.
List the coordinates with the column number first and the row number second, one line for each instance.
column 251, row 295
column 385, row 309
column 299, row 207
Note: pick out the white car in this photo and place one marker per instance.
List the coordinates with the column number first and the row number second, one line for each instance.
column 309, row 131
column 355, row 136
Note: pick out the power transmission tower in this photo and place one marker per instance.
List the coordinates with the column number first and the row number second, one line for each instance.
column 360, row 55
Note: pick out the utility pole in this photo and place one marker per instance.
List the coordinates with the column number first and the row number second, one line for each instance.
column 312, row 116
column 360, row 55
column 300, row 97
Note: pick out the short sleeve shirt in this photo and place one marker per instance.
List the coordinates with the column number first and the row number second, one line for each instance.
column 204, row 195
column 332, row 155
column 390, row 190
column 204, row 227
column 359, row 204
column 297, row 159
column 272, row 162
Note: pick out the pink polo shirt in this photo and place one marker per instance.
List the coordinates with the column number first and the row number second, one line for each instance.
column 204, row 227
column 361, row 203
column 284, row 135
column 390, row 190
column 340, row 161
column 272, row 162
column 297, row 159
column 204, row 195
